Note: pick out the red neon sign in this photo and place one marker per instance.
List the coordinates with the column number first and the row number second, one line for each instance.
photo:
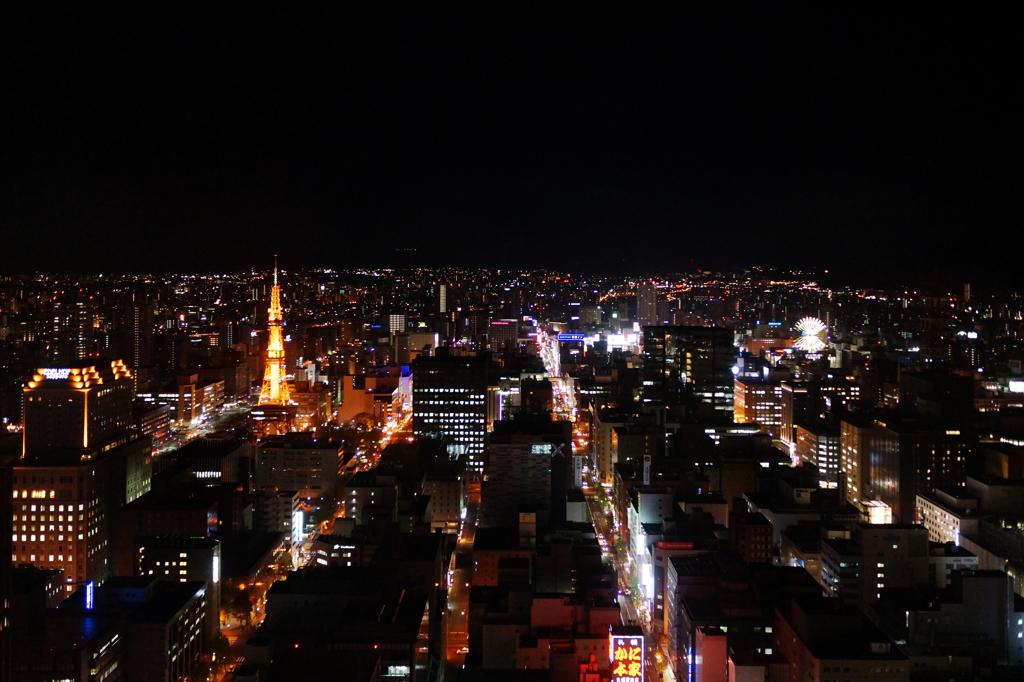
column 627, row 658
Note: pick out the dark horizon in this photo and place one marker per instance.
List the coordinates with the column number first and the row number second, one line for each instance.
column 878, row 148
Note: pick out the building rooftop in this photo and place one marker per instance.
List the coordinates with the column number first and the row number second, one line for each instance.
column 239, row 555
column 299, row 441
column 832, row 630
column 168, row 599
column 208, row 448
column 166, row 501
column 177, row 541
column 145, row 599
column 842, row 547
column 948, row 549
column 496, row 538
column 26, row 578
column 409, row 547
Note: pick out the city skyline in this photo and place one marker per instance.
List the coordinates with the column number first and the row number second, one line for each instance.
column 570, row 439
column 430, row 343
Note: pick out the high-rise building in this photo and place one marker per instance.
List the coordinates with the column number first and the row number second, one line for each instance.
column 834, row 395
column 795, row 401
column 6, row 526
column 817, row 442
column 449, row 399
column 396, row 323
column 275, row 378
column 502, row 334
column 527, row 465
column 855, row 455
column 910, row 458
column 442, row 298
column 647, row 305
column 179, row 559
column 682, row 360
column 137, row 335
column 73, row 408
column 70, row 336
column 758, row 402
column 81, row 462
column 892, row 556
column 61, row 516
column 296, row 461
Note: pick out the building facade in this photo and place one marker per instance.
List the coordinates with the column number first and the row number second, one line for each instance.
column 678, row 361
column 758, row 402
column 449, row 401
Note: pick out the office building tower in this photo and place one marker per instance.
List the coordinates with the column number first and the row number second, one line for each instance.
column 833, row 396
column 70, row 336
column 136, row 335
column 758, row 402
column 6, row 567
column 949, row 513
column 179, row 559
column 528, row 466
column 81, row 462
column 817, row 443
column 135, row 343
column 73, row 408
column 61, row 516
column 442, row 298
column 449, row 400
column 795, row 401
column 855, row 455
column 502, row 335
column 297, row 461
column 395, row 323
column 647, row 305
column 892, row 556
column 697, row 361
column 403, row 349
column 908, row 459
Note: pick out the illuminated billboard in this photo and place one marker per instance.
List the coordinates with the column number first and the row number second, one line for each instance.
column 296, row 528
column 626, row 653
column 623, row 341
column 878, row 512
column 571, row 337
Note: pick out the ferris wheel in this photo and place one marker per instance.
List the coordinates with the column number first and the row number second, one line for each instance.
column 813, row 335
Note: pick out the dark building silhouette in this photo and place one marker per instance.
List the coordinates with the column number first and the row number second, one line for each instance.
column 683, row 361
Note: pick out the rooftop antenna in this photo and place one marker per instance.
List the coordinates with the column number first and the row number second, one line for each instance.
column 275, row 269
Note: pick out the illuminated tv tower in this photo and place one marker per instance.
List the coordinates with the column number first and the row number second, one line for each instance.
column 275, row 379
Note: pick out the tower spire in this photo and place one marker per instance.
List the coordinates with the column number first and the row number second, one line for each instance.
column 275, row 389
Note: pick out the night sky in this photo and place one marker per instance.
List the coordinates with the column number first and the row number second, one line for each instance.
column 882, row 147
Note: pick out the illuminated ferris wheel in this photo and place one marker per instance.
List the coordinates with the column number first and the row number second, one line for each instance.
column 813, row 335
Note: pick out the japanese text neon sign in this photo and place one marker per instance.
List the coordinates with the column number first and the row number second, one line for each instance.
column 627, row 658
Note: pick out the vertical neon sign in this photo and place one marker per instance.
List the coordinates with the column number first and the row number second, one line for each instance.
column 627, row 658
